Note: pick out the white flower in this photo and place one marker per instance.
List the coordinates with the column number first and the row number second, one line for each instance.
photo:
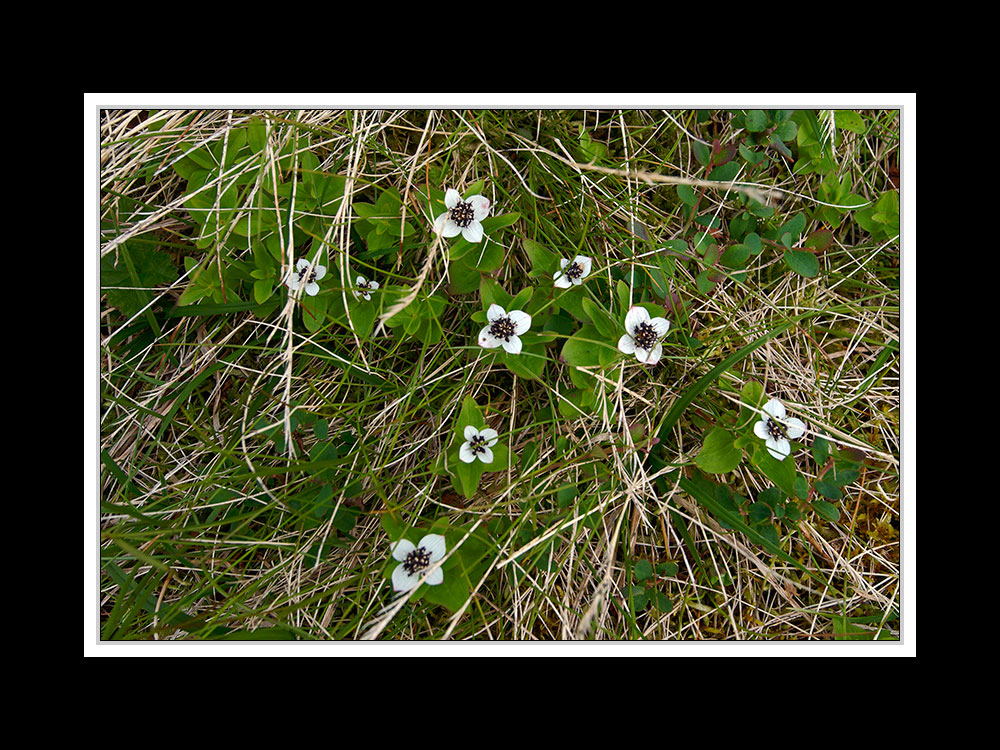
column 307, row 274
column 776, row 430
column 504, row 329
column 415, row 559
column 644, row 335
column 363, row 287
column 463, row 216
column 478, row 443
column 573, row 272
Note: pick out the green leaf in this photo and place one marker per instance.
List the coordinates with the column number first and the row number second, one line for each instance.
column 661, row 601
column 606, row 327
column 845, row 119
column 464, row 278
column 138, row 265
column 257, row 135
column 803, row 263
column 782, row 473
column 725, row 172
column 826, row 510
column 795, row 226
column 752, row 394
column 668, row 569
column 755, row 120
column 718, row 454
column 786, row 131
column 465, row 477
column 543, row 260
column 314, row 311
column 643, row 569
column 262, row 290
column 687, row 195
column 530, row 363
column 828, row 490
column 819, row 240
column 751, row 156
column 640, row 598
column 736, row 256
column 582, row 349
column 820, row 450
column 492, row 293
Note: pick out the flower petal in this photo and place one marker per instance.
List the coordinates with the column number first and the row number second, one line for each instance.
column 469, row 432
column 401, row 549
column 495, row 313
column 794, row 428
column 486, row 455
column 466, row 453
column 562, row 281
column 439, row 222
column 778, row 448
column 312, row 288
column 451, row 229
column 563, row 263
column 654, row 355
column 301, row 263
column 435, row 577
column 641, row 354
column 401, row 580
column 434, row 545
column 473, row 232
column 360, row 280
column 585, row 265
column 775, row 409
column 521, row 321
column 320, row 272
column 487, row 339
column 490, row 435
column 661, row 326
column 373, row 285
column 626, row 344
column 760, row 430
column 513, row 346
column 480, row 207
column 451, row 198
column 634, row 317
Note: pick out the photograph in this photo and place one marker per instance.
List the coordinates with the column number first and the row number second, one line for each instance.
column 499, row 374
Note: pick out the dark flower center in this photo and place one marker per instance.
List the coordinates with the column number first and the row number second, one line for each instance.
column 775, row 429
column 502, row 328
column 645, row 336
column 462, row 214
column 311, row 271
column 364, row 286
column 574, row 270
column 416, row 561
column 478, row 444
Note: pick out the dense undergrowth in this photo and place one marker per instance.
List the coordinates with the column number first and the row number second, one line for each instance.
column 291, row 358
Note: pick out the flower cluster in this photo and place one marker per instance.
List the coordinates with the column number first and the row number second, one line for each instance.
column 775, row 429
column 414, row 559
column 463, row 216
column 573, row 272
column 504, row 329
column 643, row 335
column 364, row 288
column 305, row 275
column 478, row 444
